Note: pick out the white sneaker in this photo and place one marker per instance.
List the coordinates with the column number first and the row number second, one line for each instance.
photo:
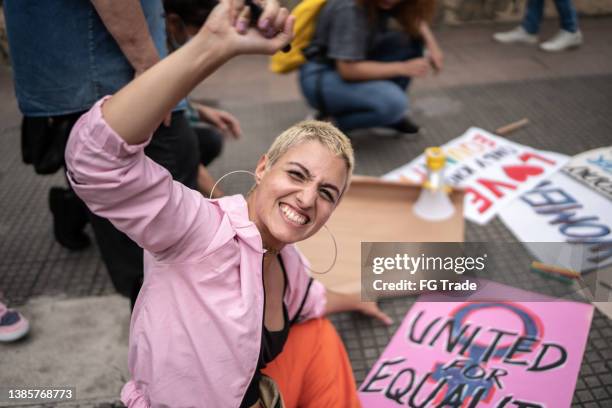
column 562, row 41
column 518, row 35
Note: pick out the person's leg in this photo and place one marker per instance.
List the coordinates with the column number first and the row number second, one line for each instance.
column 314, row 370
column 567, row 15
column 69, row 218
column 174, row 147
column 569, row 36
column 363, row 104
column 210, row 141
column 353, row 105
column 533, row 16
column 36, row 145
column 43, row 142
column 310, row 76
column 121, row 256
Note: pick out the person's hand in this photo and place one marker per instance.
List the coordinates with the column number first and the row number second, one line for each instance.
column 371, row 309
column 436, row 58
column 351, row 302
column 224, row 121
column 417, row 67
column 228, row 24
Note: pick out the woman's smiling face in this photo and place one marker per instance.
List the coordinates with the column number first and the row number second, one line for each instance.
column 296, row 196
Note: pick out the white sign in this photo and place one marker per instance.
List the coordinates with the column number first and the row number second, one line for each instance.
column 593, row 168
column 491, row 169
column 563, row 210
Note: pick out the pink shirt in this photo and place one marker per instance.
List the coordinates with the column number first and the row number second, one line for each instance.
column 196, row 328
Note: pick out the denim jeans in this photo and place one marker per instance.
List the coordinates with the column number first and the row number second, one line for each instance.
column 64, row 59
column 364, row 104
column 535, row 11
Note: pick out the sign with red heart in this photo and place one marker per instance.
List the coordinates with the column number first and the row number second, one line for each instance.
column 492, row 170
column 520, row 173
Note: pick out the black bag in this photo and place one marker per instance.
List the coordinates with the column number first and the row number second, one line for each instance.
column 43, row 141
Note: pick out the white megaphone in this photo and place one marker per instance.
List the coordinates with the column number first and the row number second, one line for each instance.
column 433, row 203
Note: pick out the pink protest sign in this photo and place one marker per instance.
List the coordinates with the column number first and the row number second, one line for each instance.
column 482, row 354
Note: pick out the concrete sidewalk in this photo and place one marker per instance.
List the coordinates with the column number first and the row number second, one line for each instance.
column 79, row 327
column 471, row 57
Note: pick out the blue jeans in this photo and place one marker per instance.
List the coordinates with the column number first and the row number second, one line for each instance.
column 365, row 104
column 535, row 11
column 64, row 59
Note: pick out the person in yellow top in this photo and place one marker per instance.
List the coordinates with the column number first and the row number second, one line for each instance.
column 359, row 66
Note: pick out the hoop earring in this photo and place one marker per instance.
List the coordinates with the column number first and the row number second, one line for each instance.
column 335, row 255
column 224, row 176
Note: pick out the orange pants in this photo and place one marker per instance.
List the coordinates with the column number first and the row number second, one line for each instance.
column 314, row 370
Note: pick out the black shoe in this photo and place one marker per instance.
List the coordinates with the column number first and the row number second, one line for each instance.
column 69, row 219
column 406, row 125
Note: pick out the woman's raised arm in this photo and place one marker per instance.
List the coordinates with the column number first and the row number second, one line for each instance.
column 105, row 158
column 139, row 108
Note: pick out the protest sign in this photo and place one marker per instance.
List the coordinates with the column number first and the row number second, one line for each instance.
column 562, row 209
column 481, row 354
column 593, row 168
column 492, row 171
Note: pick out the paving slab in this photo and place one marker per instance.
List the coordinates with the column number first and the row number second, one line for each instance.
column 78, row 343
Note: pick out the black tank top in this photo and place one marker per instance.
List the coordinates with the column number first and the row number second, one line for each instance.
column 272, row 343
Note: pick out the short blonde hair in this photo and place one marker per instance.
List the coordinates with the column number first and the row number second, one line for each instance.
column 313, row 130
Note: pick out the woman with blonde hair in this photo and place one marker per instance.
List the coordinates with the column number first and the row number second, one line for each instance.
column 228, row 315
column 360, row 66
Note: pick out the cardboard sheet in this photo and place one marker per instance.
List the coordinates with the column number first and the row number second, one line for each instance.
column 374, row 210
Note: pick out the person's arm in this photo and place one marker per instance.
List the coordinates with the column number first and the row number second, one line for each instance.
column 126, row 22
column 431, row 43
column 105, row 159
column 137, row 109
column 373, row 70
column 341, row 302
column 347, row 44
column 222, row 120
